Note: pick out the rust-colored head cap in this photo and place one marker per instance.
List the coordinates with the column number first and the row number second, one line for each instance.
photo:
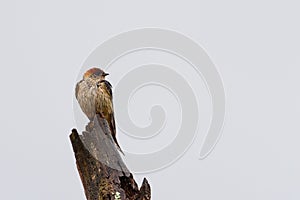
column 94, row 71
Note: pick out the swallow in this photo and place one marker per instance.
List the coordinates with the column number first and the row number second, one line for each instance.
column 94, row 95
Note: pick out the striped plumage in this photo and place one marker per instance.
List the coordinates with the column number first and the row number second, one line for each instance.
column 94, row 95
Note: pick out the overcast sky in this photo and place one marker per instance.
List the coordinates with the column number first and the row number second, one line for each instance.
column 255, row 45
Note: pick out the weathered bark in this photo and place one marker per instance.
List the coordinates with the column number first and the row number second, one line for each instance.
column 103, row 174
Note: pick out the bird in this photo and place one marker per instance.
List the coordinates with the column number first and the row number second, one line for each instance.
column 94, row 95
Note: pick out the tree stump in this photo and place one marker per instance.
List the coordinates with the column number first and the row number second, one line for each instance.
column 103, row 174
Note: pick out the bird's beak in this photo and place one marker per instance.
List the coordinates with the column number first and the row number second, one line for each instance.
column 105, row 74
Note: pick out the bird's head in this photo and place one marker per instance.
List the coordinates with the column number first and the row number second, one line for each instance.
column 95, row 73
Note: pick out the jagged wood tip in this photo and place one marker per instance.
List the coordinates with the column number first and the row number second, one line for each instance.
column 102, row 171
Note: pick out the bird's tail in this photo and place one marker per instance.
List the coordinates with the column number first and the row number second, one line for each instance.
column 116, row 142
column 113, row 132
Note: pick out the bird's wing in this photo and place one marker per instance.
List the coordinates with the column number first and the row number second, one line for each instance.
column 111, row 117
column 108, row 86
column 113, row 128
column 113, row 125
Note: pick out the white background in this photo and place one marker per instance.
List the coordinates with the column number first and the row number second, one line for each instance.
column 254, row 44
